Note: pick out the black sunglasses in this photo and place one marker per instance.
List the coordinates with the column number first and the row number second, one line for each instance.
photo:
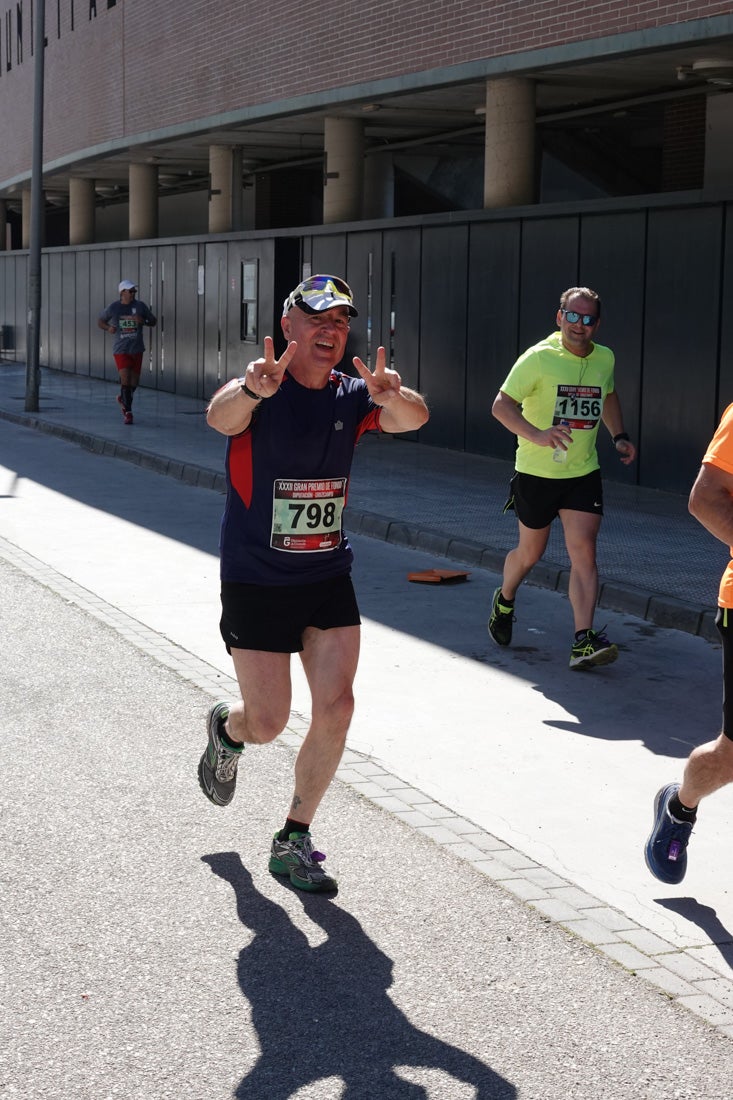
column 588, row 319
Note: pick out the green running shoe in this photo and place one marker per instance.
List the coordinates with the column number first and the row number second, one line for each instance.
column 295, row 857
column 593, row 650
column 501, row 620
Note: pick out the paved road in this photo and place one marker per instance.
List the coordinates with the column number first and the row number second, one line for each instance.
column 146, row 952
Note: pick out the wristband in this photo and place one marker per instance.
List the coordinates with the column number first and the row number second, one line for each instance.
column 245, row 389
column 620, row 436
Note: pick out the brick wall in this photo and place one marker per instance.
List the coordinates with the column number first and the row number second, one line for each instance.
column 139, row 66
column 683, row 162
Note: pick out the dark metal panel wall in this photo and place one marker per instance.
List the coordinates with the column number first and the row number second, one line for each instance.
column 55, row 298
column 215, row 316
column 148, row 291
column 130, row 268
column 612, row 261
column 443, row 333
column 453, row 302
column 47, row 310
column 189, row 373
column 8, row 298
column 21, row 308
column 400, row 310
column 364, row 275
column 98, row 349
column 679, row 393
column 164, row 304
column 84, row 319
column 240, row 351
column 112, row 279
column 328, row 254
column 286, row 259
column 549, row 258
column 68, row 311
column 493, row 317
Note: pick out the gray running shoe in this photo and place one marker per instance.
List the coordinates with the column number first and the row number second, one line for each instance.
column 218, row 765
column 295, row 857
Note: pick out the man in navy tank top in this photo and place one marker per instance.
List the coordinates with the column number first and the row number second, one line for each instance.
column 292, row 424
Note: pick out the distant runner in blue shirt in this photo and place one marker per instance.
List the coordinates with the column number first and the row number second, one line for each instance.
column 125, row 319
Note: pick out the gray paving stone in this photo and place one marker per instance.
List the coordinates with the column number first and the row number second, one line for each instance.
column 647, row 942
column 527, row 891
column 709, row 1009
column 557, row 910
column 686, row 966
column 627, row 956
column 718, row 988
column 610, row 918
column 589, row 931
column 575, row 897
column 668, row 981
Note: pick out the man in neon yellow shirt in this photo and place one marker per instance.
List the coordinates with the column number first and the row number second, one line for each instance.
column 554, row 399
column 709, row 767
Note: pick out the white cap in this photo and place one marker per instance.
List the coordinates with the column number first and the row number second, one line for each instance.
column 126, row 285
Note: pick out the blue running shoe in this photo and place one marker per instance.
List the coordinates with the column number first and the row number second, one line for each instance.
column 666, row 848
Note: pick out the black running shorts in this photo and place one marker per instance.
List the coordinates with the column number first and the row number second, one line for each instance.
column 538, row 500
column 724, row 623
column 272, row 618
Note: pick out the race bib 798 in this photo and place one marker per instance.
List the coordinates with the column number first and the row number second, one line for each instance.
column 306, row 515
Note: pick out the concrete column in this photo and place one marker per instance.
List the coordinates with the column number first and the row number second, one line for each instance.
column 343, row 183
column 379, row 186
column 509, row 154
column 81, row 210
column 225, row 197
column 3, row 225
column 143, row 213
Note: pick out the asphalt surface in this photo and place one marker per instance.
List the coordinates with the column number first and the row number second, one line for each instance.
column 478, row 784
column 148, row 954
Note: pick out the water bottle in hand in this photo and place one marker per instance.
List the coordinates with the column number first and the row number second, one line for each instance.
column 560, row 455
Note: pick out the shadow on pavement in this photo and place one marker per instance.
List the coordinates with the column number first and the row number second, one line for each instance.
column 323, row 1012
column 706, row 918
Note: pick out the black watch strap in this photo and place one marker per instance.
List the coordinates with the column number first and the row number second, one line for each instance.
column 245, row 389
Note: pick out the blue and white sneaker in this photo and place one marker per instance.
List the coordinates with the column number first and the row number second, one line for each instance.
column 666, row 848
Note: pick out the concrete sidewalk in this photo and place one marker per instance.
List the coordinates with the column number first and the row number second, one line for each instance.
column 656, row 562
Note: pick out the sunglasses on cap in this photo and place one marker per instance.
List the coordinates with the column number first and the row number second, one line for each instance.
column 319, row 293
column 572, row 317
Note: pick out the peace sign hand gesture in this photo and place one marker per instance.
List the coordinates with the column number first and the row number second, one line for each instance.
column 385, row 384
column 263, row 376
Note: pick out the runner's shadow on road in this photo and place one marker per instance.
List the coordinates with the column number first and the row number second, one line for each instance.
column 323, row 1012
column 706, row 918
column 633, row 700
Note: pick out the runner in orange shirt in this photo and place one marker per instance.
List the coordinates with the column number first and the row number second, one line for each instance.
column 709, row 767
